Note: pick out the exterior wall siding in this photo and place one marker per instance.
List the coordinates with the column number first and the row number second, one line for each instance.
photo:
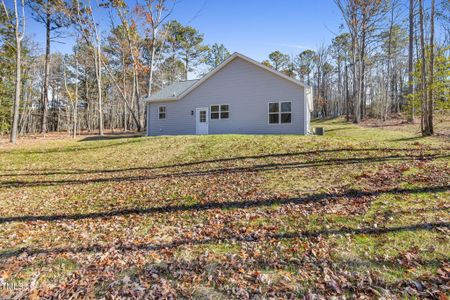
column 247, row 89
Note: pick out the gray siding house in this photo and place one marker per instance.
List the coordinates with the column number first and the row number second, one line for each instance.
column 239, row 96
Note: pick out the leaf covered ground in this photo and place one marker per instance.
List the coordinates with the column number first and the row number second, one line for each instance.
column 359, row 212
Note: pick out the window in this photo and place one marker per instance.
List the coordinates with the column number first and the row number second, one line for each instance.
column 215, row 114
column 219, row 112
column 224, row 111
column 202, row 116
column 162, row 112
column 286, row 114
column 274, row 113
column 280, row 112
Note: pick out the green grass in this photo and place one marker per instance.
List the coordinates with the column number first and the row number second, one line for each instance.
column 227, row 215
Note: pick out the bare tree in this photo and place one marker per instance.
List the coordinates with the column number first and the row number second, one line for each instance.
column 423, row 82
column 88, row 29
column 52, row 14
column 361, row 18
column 429, row 126
column 132, row 41
column 75, row 107
column 19, row 32
column 410, row 61
column 73, row 96
column 154, row 13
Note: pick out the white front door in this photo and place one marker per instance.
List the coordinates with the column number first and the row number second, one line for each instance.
column 201, row 120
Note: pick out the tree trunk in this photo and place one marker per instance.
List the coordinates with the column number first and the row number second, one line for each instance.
column 385, row 109
column 318, row 87
column 431, row 63
column 424, row 119
column 410, row 61
column 88, row 101
column 339, row 87
column 152, row 63
column 138, row 96
column 44, row 119
column 347, row 108
column 99, row 88
column 75, row 108
column 361, row 71
column 186, row 61
column 355, row 97
column 18, row 38
column 124, row 87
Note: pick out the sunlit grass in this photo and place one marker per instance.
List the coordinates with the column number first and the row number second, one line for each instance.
column 227, row 197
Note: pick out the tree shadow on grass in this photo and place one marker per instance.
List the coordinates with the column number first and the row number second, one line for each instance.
column 321, row 198
column 336, row 129
column 218, row 171
column 416, row 211
column 114, row 136
column 49, row 172
column 396, row 263
column 343, row 280
column 227, row 238
column 73, row 148
column 406, row 139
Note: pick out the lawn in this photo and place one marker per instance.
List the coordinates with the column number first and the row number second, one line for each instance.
column 359, row 211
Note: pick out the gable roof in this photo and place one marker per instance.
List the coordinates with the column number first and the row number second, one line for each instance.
column 178, row 90
column 172, row 90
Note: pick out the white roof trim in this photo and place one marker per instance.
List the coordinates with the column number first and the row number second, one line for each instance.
column 161, row 100
column 221, row 66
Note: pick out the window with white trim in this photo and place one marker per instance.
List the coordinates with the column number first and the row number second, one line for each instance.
column 280, row 112
column 220, row 112
column 162, row 112
column 203, row 116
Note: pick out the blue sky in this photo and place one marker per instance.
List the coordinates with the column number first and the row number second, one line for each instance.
column 252, row 27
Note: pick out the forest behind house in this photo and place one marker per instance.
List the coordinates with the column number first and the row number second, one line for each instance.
column 388, row 59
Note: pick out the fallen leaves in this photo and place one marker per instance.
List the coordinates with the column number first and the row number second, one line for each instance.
column 226, row 227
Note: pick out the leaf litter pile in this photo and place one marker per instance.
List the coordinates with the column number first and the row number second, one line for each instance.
column 226, row 217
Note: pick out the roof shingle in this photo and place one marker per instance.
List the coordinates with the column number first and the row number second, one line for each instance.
column 172, row 90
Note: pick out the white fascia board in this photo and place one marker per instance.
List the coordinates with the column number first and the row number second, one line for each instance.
column 160, row 100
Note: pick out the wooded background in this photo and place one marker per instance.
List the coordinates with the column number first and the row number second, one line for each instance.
column 389, row 57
